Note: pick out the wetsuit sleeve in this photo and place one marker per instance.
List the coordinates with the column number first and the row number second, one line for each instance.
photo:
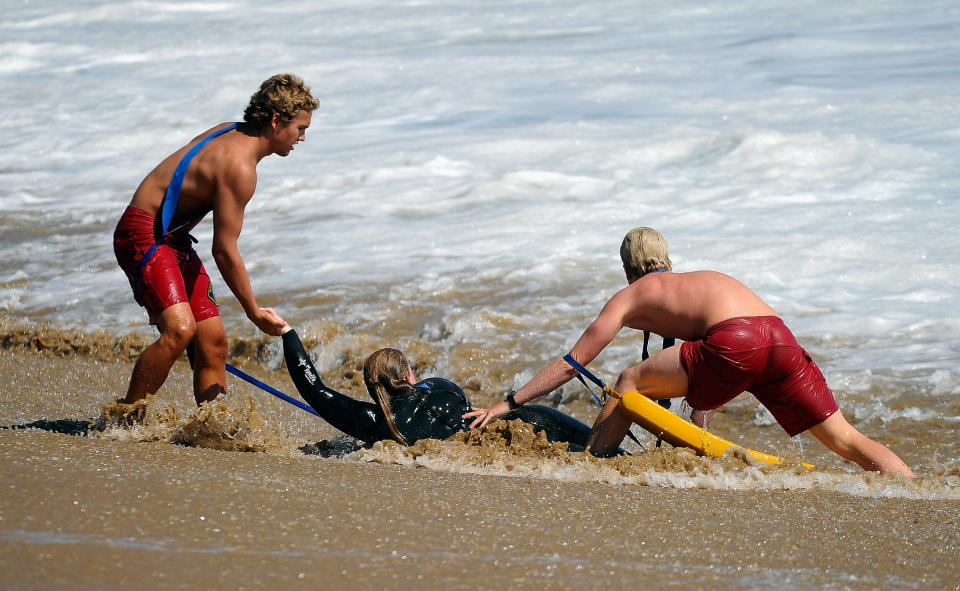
column 358, row 419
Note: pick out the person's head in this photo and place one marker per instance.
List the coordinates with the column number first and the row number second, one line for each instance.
column 388, row 376
column 284, row 106
column 642, row 251
column 283, row 95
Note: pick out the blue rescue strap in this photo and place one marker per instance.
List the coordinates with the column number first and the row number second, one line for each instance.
column 270, row 390
column 583, row 372
column 265, row 387
column 667, row 342
column 172, row 196
column 644, row 355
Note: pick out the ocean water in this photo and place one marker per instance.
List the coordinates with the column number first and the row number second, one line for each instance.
column 472, row 168
column 462, row 194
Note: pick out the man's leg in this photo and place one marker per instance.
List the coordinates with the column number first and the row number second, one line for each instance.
column 177, row 328
column 210, row 360
column 660, row 376
column 608, row 430
column 841, row 438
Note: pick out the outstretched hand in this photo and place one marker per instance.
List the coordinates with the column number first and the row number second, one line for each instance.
column 484, row 416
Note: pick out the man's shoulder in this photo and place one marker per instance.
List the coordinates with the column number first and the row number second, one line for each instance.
column 223, row 138
column 232, row 163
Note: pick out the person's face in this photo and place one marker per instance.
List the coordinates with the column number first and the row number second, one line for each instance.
column 410, row 375
column 287, row 135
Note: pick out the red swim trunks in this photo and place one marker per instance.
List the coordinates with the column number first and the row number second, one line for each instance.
column 174, row 273
column 759, row 354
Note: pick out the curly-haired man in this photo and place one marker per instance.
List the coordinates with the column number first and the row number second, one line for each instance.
column 215, row 172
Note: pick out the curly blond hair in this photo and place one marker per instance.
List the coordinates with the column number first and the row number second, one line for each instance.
column 283, row 94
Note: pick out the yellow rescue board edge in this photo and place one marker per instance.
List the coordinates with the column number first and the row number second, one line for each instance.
column 680, row 432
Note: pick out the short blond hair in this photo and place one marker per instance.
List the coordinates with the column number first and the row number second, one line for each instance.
column 283, row 94
column 644, row 250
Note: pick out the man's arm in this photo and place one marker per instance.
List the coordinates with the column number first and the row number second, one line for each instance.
column 593, row 340
column 233, row 193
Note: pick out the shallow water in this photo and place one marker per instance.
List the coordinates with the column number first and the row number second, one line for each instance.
column 250, row 492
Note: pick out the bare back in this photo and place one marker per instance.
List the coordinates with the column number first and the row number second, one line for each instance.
column 230, row 159
column 685, row 305
column 680, row 305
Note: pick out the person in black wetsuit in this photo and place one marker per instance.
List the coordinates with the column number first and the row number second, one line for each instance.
column 406, row 410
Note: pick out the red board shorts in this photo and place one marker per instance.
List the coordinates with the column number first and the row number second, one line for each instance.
column 759, row 354
column 174, row 273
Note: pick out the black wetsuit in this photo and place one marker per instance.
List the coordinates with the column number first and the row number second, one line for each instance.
column 434, row 412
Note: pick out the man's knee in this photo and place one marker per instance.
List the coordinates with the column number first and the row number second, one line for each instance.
column 215, row 342
column 629, row 378
column 178, row 333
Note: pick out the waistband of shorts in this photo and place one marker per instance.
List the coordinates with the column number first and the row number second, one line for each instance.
column 136, row 212
column 745, row 321
column 140, row 220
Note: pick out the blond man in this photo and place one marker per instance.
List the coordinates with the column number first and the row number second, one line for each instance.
column 734, row 342
column 215, row 172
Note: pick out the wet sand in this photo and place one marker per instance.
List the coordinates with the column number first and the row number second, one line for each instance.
column 128, row 508
column 87, row 513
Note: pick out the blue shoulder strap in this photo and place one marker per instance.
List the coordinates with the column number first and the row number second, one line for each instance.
column 172, row 195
